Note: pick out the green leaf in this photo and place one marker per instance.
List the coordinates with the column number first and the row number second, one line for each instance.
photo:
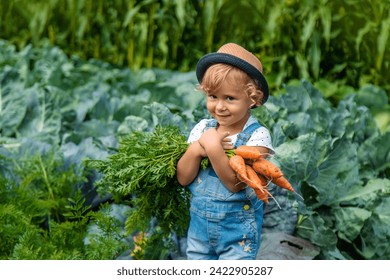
column 376, row 233
column 13, row 107
column 86, row 149
column 132, row 123
column 159, row 114
column 337, row 172
column 374, row 153
column 300, row 158
column 359, row 192
column 315, row 229
column 352, row 121
column 43, row 117
column 372, row 96
column 350, row 221
column 92, row 128
column 296, row 99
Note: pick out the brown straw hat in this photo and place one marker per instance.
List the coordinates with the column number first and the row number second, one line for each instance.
column 239, row 57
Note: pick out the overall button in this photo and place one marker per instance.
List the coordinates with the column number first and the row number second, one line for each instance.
column 246, row 207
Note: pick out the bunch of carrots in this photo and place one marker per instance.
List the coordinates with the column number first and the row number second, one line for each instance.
column 257, row 172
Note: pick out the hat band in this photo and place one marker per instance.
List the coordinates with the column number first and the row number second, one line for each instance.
column 214, row 58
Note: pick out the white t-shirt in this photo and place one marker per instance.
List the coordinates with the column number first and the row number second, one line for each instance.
column 260, row 137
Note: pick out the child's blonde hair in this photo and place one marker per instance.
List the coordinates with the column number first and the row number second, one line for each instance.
column 218, row 73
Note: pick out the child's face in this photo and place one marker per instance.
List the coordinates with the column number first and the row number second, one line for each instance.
column 229, row 105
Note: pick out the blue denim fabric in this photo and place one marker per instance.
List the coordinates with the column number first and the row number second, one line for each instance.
column 224, row 225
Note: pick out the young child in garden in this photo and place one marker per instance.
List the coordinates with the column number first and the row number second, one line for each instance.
column 226, row 216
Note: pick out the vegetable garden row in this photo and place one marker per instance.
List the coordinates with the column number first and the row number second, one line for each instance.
column 68, row 125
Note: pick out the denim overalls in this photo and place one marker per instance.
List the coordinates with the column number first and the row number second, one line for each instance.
column 224, row 225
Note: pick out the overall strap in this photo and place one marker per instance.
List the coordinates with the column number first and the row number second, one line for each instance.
column 244, row 135
column 211, row 124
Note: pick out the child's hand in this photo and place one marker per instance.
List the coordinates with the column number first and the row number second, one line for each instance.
column 227, row 143
column 212, row 139
column 199, row 148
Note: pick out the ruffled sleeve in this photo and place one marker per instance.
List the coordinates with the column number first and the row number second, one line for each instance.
column 197, row 131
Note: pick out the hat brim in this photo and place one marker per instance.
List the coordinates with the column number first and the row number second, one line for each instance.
column 213, row 58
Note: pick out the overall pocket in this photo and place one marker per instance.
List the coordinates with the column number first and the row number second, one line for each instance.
column 215, row 188
column 208, row 184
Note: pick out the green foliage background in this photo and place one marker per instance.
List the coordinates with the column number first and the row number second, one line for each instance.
column 57, row 112
column 76, row 77
column 343, row 42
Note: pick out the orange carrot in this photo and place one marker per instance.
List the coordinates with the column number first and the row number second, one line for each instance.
column 248, row 152
column 283, row 183
column 262, row 195
column 264, row 181
column 237, row 163
column 252, row 176
column 257, row 184
column 266, row 168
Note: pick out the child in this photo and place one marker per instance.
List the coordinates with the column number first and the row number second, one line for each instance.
column 226, row 216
